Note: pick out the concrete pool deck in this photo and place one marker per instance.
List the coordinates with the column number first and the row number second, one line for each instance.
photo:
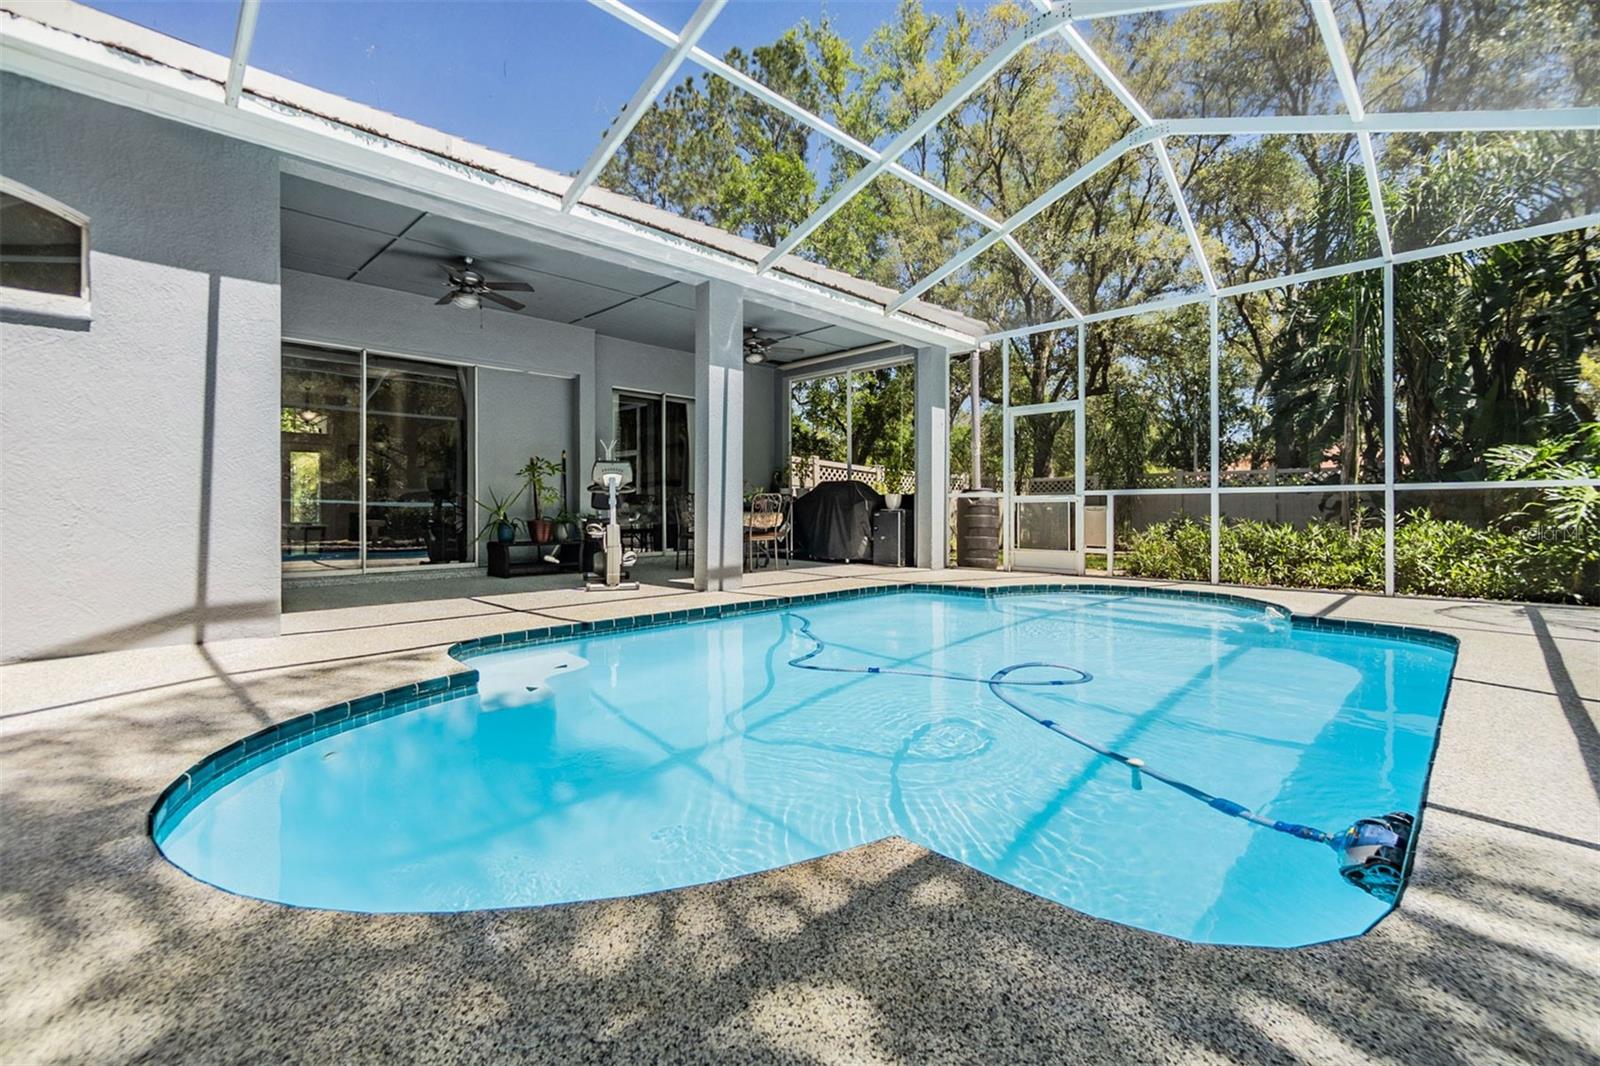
column 880, row 954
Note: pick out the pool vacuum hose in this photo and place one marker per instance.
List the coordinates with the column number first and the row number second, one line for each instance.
column 1372, row 852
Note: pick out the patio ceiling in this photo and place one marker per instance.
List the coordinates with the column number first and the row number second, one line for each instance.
column 335, row 232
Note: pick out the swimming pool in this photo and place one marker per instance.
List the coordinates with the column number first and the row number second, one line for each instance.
column 621, row 762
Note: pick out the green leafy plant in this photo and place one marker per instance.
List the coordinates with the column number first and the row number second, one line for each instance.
column 535, row 475
column 1534, row 560
column 498, row 509
column 1571, row 457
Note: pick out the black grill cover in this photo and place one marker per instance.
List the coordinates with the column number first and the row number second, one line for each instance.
column 834, row 521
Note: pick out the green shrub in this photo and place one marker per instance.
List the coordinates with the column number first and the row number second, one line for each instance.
column 1179, row 549
column 1439, row 557
column 1433, row 556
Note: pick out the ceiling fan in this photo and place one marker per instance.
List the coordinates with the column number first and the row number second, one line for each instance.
column 758, row 346
column 469, row 288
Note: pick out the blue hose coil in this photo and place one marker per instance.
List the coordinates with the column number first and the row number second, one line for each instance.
column 999, row 681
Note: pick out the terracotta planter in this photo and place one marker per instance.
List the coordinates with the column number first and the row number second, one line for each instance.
column 542, row 530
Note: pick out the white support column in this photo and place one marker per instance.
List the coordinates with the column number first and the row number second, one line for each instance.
column 1079, row 430
column 785, row 416
column 975, row 398
column 1216, row 453
column 933, row 458
column 1111, row 536
column 1007, row 482
column 1389, row 465
column 719, row 436
column 849, row 424
column 586, row 417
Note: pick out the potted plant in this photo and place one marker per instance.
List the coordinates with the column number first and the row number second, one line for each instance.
column 566, row 527
column 500, row 522
column 893, row 478
column 541, row 529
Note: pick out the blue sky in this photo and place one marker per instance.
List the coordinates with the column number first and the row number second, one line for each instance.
column 540, row 79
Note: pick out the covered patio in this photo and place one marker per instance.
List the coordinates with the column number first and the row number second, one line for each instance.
column 688, row 383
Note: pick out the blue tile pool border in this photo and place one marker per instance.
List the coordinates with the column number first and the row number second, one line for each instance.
column 205, row 777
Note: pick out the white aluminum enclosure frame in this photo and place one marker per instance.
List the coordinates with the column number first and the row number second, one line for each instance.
column 789, row 379
column 739, row 79
column 1057, row 17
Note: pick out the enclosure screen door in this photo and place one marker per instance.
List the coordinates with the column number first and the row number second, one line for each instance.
column 1043, row 488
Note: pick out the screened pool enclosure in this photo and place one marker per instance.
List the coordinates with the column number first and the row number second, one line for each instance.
column 1299, row 292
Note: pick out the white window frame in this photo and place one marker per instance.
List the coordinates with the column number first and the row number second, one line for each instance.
column 50, row 303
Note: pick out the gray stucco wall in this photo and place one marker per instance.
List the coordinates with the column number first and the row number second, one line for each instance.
column 763, row 416
column 520, row 415
column 139, row 451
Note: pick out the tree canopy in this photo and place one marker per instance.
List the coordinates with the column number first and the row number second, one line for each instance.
column 1495, row 346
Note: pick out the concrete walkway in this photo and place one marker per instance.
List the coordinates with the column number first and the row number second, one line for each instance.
column 885, row 953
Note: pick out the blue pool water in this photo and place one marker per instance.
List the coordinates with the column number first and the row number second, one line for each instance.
column 625, row 763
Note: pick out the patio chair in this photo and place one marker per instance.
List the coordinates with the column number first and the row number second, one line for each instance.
column 763, row 528
column 683, row 543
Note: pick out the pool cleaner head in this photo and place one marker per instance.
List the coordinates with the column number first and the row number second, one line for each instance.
column 1372, row 853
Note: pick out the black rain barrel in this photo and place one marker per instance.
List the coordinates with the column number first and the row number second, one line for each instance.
column 978, row 530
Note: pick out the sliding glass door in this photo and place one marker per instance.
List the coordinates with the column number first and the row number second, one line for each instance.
column 653, row 434
column 416, row 463
column 320, row 479
column 374, row 466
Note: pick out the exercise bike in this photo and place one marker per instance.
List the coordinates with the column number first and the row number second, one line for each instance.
column 611, row 564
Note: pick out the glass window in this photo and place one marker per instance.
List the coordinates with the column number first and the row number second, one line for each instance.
column 320, row 429
column 653, row 435
column 416, row 462
column 41, row 250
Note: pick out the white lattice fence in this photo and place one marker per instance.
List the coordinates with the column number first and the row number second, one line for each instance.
column 1047, row 486
column 806, row 472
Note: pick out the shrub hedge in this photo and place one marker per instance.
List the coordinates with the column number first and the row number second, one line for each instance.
column 1433, row 557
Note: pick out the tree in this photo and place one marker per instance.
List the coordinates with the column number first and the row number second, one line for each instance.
column 1490, row 347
